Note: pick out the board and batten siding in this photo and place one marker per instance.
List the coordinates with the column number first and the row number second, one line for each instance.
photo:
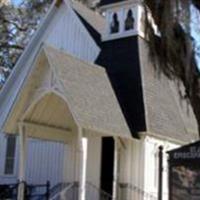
column 67, row 33
column 151, row 165
column 45, row 162
column 131, row 168
column 138, row 165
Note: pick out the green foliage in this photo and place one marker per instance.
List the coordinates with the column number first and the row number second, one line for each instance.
column 173, row 49
column 17, row 25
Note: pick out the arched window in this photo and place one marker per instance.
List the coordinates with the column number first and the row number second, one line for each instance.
column 129, row 22
column 114, row 26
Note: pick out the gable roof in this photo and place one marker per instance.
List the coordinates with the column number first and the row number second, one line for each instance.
column 96, row 20
column 46, row 33
column 89, row 93
column 86, row 90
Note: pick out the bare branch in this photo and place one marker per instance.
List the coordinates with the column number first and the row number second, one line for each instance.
column 11, row 46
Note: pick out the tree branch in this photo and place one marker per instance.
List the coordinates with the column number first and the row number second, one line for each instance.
column 11, row 46
column 4, row 20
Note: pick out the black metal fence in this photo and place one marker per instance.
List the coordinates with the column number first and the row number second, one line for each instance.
column 37, row 192
column 93, row 192
column 136, row 193
column 63, row 191
column 69, row 191
column 8, row 191
column 32, row 191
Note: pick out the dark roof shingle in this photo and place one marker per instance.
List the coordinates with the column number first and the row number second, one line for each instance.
column 163, row 113
column 106, row 2
column 89, row 94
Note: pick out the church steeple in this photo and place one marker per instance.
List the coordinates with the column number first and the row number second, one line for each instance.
column 124, row 18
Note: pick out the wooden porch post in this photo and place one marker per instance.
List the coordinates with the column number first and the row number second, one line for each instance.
column 82, row 167
column 22, row 162
column 160, row 173
column 115, row 171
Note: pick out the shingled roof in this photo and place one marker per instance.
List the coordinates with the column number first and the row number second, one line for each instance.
column 85, row 89
column 164, row 115
column 107, row 2
column 89, row 93
column 149, row 102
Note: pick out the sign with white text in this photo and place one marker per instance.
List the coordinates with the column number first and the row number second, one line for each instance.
column 184, row 173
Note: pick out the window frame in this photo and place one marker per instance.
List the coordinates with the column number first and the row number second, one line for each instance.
column 7, row 157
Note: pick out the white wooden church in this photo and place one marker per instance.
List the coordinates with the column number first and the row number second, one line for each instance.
column 84, row 108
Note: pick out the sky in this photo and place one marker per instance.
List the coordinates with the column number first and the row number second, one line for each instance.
column 196, row 31
column 16, row 2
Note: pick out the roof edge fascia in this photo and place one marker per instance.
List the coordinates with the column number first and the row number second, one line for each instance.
column 164, row 138
column 61, row 85
column 6, row 91
column 28, row 48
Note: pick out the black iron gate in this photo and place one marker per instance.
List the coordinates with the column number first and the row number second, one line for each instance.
column 32, row 191
column 8, row 191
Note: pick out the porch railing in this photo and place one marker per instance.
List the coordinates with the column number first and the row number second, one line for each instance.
column 127, row 191
column 95, row 193
column 8, row 191
column 37, row 191
column 32, row 191
column 69, row 191
column 65, row 191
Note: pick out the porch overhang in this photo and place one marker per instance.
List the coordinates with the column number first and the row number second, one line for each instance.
column 61, row 94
